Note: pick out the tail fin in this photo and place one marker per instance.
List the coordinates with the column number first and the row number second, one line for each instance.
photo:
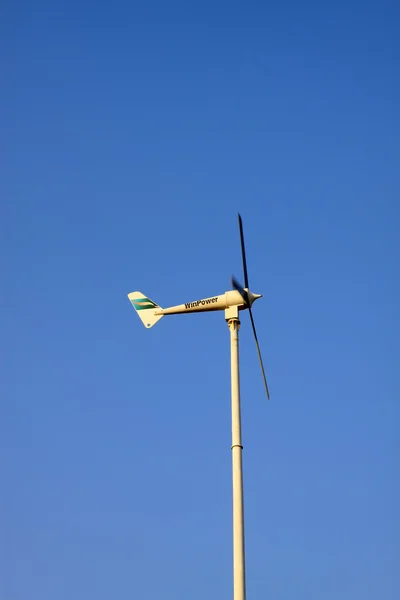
column 145, row 308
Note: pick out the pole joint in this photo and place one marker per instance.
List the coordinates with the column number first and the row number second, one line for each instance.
column 234, row 324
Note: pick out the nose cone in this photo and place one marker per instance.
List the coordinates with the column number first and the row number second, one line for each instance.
column 252, row 297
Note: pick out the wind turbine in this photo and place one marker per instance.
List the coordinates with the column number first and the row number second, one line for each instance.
column 233, row 301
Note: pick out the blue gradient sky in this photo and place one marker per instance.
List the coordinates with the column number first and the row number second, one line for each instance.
column 132, row 134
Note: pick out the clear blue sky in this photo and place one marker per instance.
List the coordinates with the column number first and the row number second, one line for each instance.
column 132, row 133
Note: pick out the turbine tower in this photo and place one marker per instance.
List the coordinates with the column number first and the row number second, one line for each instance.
column 233, row 301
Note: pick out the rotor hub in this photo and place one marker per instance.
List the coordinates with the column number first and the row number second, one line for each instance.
column 252, row 297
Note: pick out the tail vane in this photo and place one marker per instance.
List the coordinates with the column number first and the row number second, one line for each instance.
column 145, row 308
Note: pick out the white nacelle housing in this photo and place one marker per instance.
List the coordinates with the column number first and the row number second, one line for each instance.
column 222, row 302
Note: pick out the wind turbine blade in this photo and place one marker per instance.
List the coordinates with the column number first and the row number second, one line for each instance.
column 246, row 279
column 259, row 352
column 240, row 289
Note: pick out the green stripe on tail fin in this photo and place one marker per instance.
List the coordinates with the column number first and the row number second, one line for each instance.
column 145, row 308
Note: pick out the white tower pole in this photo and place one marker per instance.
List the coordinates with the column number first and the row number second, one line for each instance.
column 239, row 579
